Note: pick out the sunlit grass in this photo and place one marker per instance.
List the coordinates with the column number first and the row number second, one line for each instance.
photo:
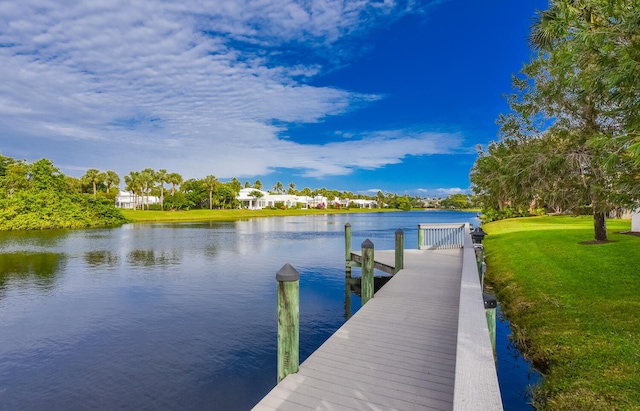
column 231, row 215
column 574, row 307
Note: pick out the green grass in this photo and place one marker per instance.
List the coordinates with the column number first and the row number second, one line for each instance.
column 231, row 215
column 574, row 308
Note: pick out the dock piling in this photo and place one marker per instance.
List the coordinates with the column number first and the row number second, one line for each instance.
column 368, row 264
column 347, row 248
column 490, row 308
column 288, row 321
column 399, row 250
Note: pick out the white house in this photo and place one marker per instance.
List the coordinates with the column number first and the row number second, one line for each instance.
column 266, row 199
column 365, row 203
column 126, row 199
column 360, row 203
column 252, row 202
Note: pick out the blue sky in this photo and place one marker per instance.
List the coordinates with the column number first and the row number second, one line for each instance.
column 353, row 95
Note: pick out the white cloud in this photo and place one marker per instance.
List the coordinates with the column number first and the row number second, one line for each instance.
column 126, row 85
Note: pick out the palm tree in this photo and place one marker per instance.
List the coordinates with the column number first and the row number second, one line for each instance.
column 148, row 177
column 111, row 178
column 292, row 188
column 161, row 177
column 211, row 182
column 278, row 187
column 133, row 183
column 257, row 185
column 175, row 179
column 93, row 176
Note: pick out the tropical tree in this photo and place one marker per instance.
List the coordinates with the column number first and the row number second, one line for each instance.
column 148, row 178
column 134, row 185
column 14, row 177
column 174, row 179
column 211, row 183
column 196, row 192
column 235, row 184
column 292, row 188
column 257, row 185
column 111, row 178
column 226, row 192
column 278, row 187
column 162, row 178
column 93, row 176
column 576, row 91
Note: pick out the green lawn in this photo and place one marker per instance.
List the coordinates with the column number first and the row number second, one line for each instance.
column 231, row 215
column 574, row 308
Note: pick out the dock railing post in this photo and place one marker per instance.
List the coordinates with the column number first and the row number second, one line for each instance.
column 421, row 234
column 288, row 321
column 347, row 248
column 399, row 250
column 368, row 264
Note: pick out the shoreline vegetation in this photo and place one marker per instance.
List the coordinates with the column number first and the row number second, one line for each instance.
column 38, row 196
column 148, row 216
column 573, row 307
column 242, row 214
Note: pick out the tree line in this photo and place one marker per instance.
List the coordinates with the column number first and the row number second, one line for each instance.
column 571, row 140
column 175, row 193
column 39, row 196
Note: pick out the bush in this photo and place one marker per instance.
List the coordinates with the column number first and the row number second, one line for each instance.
column 491, row 214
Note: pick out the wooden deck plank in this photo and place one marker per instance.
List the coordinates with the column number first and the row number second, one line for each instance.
column 398, row 352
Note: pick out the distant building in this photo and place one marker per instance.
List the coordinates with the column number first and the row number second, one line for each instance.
column 365, row 203
column 263, row 199
column 126, row 199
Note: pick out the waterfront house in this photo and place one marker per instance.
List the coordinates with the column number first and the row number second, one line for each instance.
column 126, row 199
column 254, row 199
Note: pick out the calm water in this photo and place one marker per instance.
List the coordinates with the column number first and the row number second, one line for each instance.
column 170, row 316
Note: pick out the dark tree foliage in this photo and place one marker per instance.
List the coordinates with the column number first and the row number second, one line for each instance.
column 39, row 196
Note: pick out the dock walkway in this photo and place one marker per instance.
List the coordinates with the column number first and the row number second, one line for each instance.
column 421, row 344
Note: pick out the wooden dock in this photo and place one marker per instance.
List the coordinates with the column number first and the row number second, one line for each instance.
column 421, row 343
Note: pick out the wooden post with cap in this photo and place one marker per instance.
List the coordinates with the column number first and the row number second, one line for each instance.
column 368, row 264
column 288, row 321
column 399, row 264
column 347, row 248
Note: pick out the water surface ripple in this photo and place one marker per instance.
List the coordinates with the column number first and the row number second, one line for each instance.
column 170, row 316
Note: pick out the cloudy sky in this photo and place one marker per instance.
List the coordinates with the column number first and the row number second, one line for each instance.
column 356, row 95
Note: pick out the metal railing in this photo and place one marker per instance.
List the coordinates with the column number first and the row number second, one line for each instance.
column 435, row 236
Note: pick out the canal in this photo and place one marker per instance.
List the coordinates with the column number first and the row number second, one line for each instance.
column 171, row 315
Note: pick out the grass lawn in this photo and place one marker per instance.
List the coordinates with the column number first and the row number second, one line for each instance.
column 231, row 215
column 574, row 308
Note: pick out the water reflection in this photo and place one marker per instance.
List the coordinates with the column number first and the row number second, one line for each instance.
column 197, row 331
column 31, row 240
column 352, row 285
column 152, row 258
column 95, row 259
column 30, row 268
